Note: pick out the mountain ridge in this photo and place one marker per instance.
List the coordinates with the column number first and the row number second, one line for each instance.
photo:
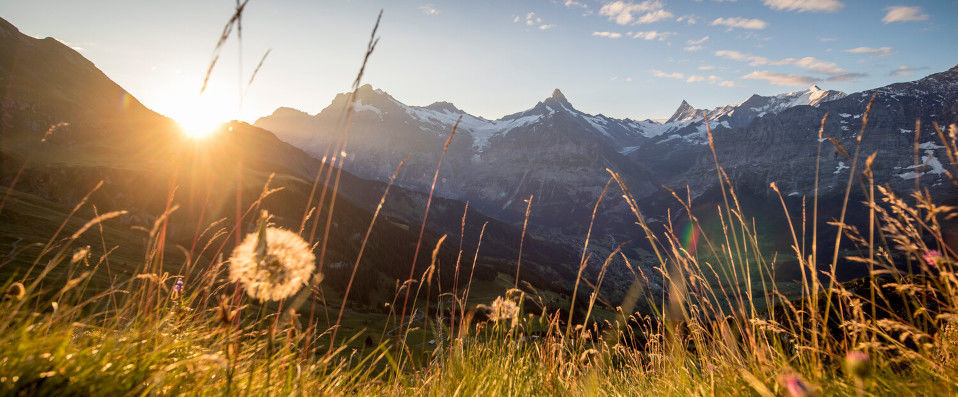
column 555, row 152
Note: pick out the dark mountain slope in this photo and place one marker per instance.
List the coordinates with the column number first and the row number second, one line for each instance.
column 142, row 158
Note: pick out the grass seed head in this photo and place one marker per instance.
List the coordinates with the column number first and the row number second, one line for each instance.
column 16, row 291
column 80, row 254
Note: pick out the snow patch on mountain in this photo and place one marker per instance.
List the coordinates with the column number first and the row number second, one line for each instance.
column 929, row 165
column 361, row 107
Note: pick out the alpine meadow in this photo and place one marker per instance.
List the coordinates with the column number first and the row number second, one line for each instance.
column 237, row 198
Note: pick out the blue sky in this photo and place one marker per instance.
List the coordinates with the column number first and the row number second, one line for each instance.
column 635, row 59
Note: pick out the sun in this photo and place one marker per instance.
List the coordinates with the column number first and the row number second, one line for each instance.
column 198, row 125
column 200, row 115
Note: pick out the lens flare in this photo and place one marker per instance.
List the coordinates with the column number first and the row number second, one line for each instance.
column 690, row 237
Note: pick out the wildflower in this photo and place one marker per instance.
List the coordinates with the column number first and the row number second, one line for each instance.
column 857, row 364
column 272, row 264
column 796, row 386
column 80, row 254
column 16, row 291
column 931, row 257
column 177, row 287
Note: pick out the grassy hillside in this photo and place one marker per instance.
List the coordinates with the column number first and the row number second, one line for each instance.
column 131, row 257
column 894, row 332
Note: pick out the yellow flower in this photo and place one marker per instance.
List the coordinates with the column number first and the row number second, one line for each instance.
column 272, row 264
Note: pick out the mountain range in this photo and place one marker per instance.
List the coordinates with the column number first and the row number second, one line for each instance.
column 67, row 130
column 551, row 152
column 559, row 155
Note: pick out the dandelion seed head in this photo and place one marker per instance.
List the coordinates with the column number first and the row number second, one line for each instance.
column 279, row 272
column 503, row 309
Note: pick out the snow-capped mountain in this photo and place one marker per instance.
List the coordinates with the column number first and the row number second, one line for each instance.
column 687, row 124
column 782, row 147
column 410, row 127
column 560, row 154
column 758, row 106
column 551, row 150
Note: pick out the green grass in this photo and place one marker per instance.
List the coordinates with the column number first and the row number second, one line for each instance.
column 77, row 331
column 109, row 323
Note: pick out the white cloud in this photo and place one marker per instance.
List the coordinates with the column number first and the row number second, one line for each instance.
column 805, row 5
column 573, row 3
column 706, row 67
column 655, row 16
column 711, row 79
column 626, row 12
column 689, row 19
column 904, row 71
column 813, row 64
column 752, row 60
column 901, row 71
column 429, row 10
column 809, row 63
column 904, row 14
column 844, row 77
column 531, row 19
column 781, row 79
column 736, row 22
column 696, row 45
column 880, row 51
column 610, row 35
column 694, row 78
column 673, row 75
column 652, row 35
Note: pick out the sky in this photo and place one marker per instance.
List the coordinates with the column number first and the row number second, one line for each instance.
column 636, row 59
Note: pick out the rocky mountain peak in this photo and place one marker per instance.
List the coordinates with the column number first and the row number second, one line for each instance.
column 445, row 107
column 284, row 111
column 367, row 90
column 7, row 28
column 685, row 112
column 557, row 95
column 557, row 99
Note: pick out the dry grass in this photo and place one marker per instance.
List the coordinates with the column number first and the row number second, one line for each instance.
column 710, row 331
